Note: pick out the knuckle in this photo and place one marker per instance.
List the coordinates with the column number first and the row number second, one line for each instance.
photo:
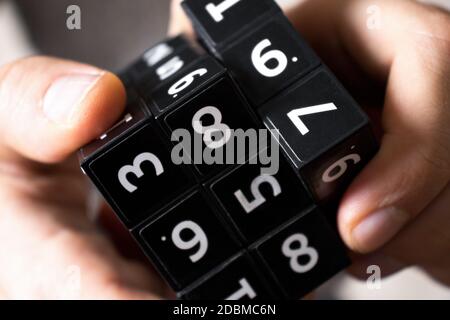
column 436, row 154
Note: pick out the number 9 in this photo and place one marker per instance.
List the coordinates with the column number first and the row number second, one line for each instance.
column 199, row 238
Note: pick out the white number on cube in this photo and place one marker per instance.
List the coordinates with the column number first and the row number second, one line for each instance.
column 216, row 11
column 137, row 170
column 208, row 131
column 186, row 81
column 169, row 68
column 199, row 239
column 260, row 60
column 295, row 115
column 245, row 290
column 303, row 250
column 342, row 165
column 249, row 206
column 156, row 54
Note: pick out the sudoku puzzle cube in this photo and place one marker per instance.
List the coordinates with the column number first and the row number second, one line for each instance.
column 230, row 230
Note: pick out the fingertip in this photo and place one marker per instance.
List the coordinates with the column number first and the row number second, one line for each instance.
column 98, row 110
column 101, row 107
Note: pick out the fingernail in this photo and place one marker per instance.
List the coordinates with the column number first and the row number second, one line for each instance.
column 378, row 228
column 65, row 95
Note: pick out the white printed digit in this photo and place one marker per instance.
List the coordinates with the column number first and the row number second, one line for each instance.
column 137, row 170
column 303, row 250
column 249, row 206
column 260, row 60
column 208, row 131
column 199, row 239
column 295, row 115
column 156, row 54
column 186, row 81
column 342, row 165
column 216, row 11
column 245, row 290
column 169, row 68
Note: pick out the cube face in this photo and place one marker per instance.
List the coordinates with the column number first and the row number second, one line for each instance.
column 331, row 173
column 258, row 202
column 314, row 116
column 219, row 231
column 187, row 241
column 219, row 21
column 236, row 280
column 303, row 254
column 218, row 109
column 269, row 59
column 137, row 175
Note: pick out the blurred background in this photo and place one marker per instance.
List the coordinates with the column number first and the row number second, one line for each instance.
column 110, row 39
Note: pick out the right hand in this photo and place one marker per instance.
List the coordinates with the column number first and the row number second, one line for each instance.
column 397, row 211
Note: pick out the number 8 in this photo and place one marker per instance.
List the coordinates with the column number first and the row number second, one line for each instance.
column 303, row 250
column 209, row 130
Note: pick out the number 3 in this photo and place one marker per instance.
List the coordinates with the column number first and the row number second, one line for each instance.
column 137, row 170
column 249, row 206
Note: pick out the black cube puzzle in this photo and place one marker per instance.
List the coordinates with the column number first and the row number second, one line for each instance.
column 229, row 231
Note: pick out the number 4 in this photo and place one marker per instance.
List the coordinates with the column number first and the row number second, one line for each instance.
column 295, row 115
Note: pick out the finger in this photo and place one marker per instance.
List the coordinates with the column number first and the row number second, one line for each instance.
column 66, row 255
column 51, row 107
column 413, row 164
column 178, row 23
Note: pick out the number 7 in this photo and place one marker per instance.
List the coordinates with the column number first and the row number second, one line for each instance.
column 295, row 115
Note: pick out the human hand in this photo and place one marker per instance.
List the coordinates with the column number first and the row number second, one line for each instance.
column 49, row 247
column 394, row 58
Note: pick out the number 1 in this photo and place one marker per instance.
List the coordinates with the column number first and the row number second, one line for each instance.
column 216, row 11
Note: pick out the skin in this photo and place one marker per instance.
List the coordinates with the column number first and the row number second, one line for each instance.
column 400, row 73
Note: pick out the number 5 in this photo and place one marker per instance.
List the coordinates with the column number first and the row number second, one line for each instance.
column 249, row 206
column 137, row 170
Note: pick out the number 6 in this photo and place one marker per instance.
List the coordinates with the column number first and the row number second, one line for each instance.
column 342, row 165
column 260, row 60
column 186, row 81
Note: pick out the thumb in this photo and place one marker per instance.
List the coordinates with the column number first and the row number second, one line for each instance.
column 51, row 107
column 413, row 165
